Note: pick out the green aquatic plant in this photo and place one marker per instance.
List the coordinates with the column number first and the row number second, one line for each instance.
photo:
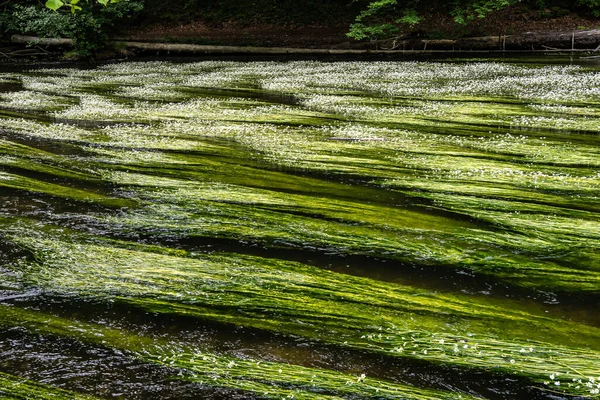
column 16, row 388
column 321, row 305
column 445, row 186
column 190, row 363
column 419, row 164
column 26, row 100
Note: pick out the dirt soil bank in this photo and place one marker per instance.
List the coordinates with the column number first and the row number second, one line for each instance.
column 511, row 21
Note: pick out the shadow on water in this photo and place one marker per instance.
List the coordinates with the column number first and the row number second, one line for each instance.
column 88, row 184
column 54, row 146
column 8, row 87
column 258, row 94
column 472, row 56
column 48, row 208
column 43, row 117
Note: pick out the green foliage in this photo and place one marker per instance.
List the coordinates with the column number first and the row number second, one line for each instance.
column 593, row 5
column 386, row 18
column 364, row 28
column 361, row 31
column 72, row 4
column 54, row 4
column 38, row 21
column 464, row 13
column 87, row 23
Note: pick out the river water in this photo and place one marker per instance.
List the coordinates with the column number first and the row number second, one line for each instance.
column 300, row 229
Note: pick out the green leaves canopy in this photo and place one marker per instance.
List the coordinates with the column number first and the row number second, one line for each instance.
column 56, row 4
column 388, row 18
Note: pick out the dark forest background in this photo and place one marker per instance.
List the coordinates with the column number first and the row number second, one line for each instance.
column 91, row 24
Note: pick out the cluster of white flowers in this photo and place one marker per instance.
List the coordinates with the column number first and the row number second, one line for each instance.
column 565, row 123
column 54, row 84
column 592, row 384
column 5, row 176
column 565, row 109
column 159, row 91
column 355, row 106
column 32, row 100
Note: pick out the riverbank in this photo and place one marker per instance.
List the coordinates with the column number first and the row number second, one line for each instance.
column 516, row 20
column 584, row 44
column 516, row 28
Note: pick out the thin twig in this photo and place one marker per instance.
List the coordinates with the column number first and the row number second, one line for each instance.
column 44, row 50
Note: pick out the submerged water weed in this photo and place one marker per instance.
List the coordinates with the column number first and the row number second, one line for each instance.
column 16, row 388
column 354, row 312
column 485, row 170
column 488, row 167
column 190, row 363
column 210, row 210
column 407, row 79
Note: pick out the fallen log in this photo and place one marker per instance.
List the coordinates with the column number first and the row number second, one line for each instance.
column 560, row 40
column 583, row 41
column 208, row 49
column 21, row 39
column 194, row 48
column 589, row 40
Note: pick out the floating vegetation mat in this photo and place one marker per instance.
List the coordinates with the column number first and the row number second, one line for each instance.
column 303, row 230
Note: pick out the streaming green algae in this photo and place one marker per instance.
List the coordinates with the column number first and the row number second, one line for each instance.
column 225, row 279
column 485, row 170
column 266, row 379
column 16, row 388
column 353, row 312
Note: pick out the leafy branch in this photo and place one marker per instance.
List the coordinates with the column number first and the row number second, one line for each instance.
column 73, row 4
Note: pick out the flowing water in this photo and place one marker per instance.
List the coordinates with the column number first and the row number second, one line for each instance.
column 307, row 230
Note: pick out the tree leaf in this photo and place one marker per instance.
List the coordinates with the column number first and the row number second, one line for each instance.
column 54, row 4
